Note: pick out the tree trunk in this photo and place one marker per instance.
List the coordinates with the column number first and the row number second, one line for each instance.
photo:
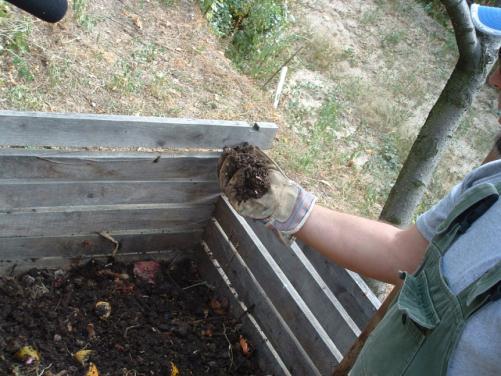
column 477, row 53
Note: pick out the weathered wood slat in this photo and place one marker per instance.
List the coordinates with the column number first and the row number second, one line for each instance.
column 10, row 267
column 90, row 130
column 46, row 164
column 317, row 295
column 84, row 245
column 16, row 193
column 80, row 220
column 284, row 296
column 352, row 292
column 279, row 329
column 267, row 357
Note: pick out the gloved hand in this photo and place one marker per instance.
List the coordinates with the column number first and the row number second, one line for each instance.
column 257, row 188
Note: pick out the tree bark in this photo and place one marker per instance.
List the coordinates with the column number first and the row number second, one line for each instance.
column 477, row 52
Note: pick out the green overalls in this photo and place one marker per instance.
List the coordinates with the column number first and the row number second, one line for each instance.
column 422, row 327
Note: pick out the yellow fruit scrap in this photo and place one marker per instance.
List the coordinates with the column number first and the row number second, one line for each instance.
column 173, row 369
column 82, row 356
column 28, row 354
column 103, row 310
column 92, row 371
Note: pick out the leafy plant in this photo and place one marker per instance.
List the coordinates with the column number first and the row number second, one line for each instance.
column 23, row 69
column 253, row 30
column 80, row 12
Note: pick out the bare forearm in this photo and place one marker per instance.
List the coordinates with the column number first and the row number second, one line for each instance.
column 374, row 249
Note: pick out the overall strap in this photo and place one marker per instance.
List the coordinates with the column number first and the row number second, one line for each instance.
column 471, row 206
column 485, row 289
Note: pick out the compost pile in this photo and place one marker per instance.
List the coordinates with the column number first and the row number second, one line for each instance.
column 146, row 318
column 252, row 180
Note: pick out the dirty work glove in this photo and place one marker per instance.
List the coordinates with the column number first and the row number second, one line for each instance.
column 257, row 188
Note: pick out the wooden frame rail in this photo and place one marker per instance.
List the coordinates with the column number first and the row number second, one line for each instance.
column 308, row 327
column 90, row 130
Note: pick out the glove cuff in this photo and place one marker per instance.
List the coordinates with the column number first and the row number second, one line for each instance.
column 300, row 212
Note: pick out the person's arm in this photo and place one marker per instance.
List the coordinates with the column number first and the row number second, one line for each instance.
column 371, row 248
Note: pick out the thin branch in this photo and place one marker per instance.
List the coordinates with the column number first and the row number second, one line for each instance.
column 107, row 236
column 230, row 348
column 464, row 30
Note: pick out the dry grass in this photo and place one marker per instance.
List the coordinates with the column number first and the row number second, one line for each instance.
column 356, row 95
column 385, row 63
column 125, row 57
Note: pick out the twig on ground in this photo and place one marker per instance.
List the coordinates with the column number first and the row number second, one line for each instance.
column 230, row 348
column 202, row 283
column 107, row 236
column 43, row 371
column 281, row 66
column 129, row 328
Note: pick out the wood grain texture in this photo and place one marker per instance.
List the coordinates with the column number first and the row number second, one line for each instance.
column 82, row 220
column 322, row 301
column 279, row 329
column 47, row 164
column 284, row 296
column 90, row 130
column 17, row 193
column 353, row 294
column 85, row 245
column 266, row 354
column 12, row 267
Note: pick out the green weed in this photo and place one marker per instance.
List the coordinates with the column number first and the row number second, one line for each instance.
column 56, row 71
column 393, row 38
column 370, row 17
column 253, row 30
column 22, row 67
column 4, row 10
column 85, row 20
column 127, row 79
column 148, row 52
column 167, row 3
column 328, row 115
column 22, row 97
column 15, row 35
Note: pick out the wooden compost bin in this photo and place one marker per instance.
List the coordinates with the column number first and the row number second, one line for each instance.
column 300, row 311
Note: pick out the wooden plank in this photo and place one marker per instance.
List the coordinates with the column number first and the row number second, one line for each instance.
column 16, row 193
column 280, row 330
column 322, row 301
column 267, row 356
column 348, row 287
column 49, row 164
column 90, row 130
column 80, row 220
column 284, row 296
column 12, row 267
column 82, row 245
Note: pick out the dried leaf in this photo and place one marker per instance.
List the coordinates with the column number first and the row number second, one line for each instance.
column 92, row 371
column 28, row 355
column 91, row 332
column 174, row 371
column 219, row 307
column 137, row 21
column 82, row 356
column 208, row 332
column 244, row 345
column 103, row 310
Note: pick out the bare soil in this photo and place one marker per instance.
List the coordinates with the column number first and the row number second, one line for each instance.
column 158, row 321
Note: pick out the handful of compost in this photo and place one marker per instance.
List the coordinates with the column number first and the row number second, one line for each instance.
column 257, row 188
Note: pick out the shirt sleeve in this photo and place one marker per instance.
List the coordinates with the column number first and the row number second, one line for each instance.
column 428, row 222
